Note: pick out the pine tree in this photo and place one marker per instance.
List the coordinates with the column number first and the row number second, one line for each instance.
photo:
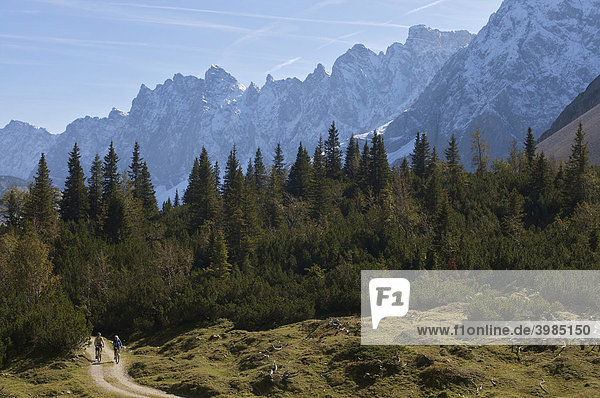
column 39, row 209
column 333, row 154
column 110, row 170
column 576, row 170
column 480, row 152
column 260, row 171
column 95, row 188
column 530, row 148
column 352, row 161
column 421, row 156
column 453, row 156
column 300, row 174
column 379, row 170
column 74, row 204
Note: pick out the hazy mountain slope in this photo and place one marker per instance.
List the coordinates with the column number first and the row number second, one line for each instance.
column 580, row 105
column 174, row 120
column 6, row 182
column 558, row 145
column 530, row 60
column 22, row 145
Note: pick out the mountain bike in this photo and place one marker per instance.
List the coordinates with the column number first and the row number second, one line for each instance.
column 117, row 354
column 99, row 353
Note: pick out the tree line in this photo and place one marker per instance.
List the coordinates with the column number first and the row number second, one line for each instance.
column 275, row 243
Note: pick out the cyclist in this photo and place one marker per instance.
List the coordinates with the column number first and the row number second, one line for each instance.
column 117, row 344
column 99, row 343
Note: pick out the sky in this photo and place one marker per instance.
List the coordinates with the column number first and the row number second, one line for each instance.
column 64, row 59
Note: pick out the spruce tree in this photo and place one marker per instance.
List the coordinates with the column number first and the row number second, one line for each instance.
column 95, row 188
column 404, row 168
column 433, row 161
column 278, row 164
column 135, row 171
column 148, row 195
column 217, row 175
column 143, row 189
column 530, row 148
column 576, row 170
column 176, row 200
column 39, row 209
column 453, row 156
column 207, row 207
column 192, row 192
column 364, row 167
column 237, row 209
column 201, row 195
column 421, row 155
column 333, row 154
column 167, row 206
column 379, row 170
column 352, row 161
column 250, row 175
column 300, row 174
column 318, row 192
column 111, row 176
column 260, row 171
column 218, row 265
column 74, row 204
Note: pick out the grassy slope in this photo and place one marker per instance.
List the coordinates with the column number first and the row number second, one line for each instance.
column 327, row 360
column 331, row 362
column 68, row 378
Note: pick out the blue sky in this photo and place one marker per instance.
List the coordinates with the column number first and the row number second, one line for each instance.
column 63, row 59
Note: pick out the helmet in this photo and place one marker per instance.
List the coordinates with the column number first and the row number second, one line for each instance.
column 99, row 334
column 116, row 337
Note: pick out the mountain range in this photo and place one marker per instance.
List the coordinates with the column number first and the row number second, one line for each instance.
column 175, row 119
column 531, row 59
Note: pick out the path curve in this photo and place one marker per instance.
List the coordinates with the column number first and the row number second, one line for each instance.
column 114, row 378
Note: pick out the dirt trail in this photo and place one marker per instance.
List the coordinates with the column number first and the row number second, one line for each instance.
column 113, row 377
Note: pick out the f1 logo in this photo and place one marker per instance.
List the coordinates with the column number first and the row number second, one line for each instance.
column 389, row 297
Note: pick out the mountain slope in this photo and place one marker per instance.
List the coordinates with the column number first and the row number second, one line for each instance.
column 530, row 60
column 174, row 120
column 22, row 145
column 558, row 145
column 580, row 105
